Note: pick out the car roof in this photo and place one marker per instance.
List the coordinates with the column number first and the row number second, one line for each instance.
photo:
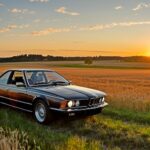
column 26, row 69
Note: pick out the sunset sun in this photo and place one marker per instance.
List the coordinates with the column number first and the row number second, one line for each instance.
column 147, row 52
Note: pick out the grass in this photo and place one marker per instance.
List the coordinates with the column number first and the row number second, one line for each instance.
column 82, row 66
column 128, row 115
column 16, row 140
column 113, row 129
column 110, row 64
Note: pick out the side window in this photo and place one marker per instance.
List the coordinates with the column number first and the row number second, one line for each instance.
column 5, row 77
column 17, row 76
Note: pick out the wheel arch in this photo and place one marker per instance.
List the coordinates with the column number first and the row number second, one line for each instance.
column 43, row 98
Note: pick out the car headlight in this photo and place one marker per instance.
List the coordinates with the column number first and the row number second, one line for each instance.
column 103, row 99
column 73, row 104
column 100, row 100
column 77, row 103
column 70, row 104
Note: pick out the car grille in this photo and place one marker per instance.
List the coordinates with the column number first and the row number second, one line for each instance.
column 91, row 102
column 84, row 102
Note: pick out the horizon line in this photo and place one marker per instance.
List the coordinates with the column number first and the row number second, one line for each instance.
column 74, row 56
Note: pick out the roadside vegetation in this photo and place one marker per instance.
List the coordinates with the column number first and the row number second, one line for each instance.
column 123, row 125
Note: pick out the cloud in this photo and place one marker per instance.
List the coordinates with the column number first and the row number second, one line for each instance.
column 15, row 10
column 23, row 26
column 50, row 30
column 11, row 27
column 113, row 25
column 141, row 6
column 118, row 7
column 41, row 1
column 36, row 20
column 21, row 11
column 8, row 28
column 89, row 28
column 63, row 10
column 1, row 5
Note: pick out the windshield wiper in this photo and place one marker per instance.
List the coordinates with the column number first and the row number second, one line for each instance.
column 38, row 84
column 57, row 82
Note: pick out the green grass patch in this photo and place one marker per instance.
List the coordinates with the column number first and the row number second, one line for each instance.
column 113, row 129
column 98, row 66
column 79, row 64
column 128, row 115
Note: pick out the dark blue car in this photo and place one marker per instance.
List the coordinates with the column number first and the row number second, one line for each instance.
column 46, row 94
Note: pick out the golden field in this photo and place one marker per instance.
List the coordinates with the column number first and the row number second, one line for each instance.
column 125, row 88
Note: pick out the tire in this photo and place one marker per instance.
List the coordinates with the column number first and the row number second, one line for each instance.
column 41, row 112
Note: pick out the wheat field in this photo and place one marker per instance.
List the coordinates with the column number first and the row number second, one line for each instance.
column 125, row 88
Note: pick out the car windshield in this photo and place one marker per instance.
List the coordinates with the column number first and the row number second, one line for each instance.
column 40, row 78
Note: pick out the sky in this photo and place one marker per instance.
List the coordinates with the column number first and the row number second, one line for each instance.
column 75, row 27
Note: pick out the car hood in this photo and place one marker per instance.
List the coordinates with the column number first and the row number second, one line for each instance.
column 71, row 92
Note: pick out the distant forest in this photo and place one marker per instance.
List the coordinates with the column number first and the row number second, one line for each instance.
column 32, row 57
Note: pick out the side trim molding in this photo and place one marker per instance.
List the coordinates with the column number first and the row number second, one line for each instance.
column 16, row 107
column 16, row 100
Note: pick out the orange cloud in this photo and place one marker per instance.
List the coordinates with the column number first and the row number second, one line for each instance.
column 11, row 27
column 113, row 25
column 49, row 30
column 8, row 28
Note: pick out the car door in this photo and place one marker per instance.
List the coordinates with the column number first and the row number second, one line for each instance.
column 4, row 87
column 17, row 93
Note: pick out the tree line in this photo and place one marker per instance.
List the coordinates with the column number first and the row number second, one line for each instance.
column 33, row 57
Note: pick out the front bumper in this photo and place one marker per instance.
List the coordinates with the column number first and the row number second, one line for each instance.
column 79, row 111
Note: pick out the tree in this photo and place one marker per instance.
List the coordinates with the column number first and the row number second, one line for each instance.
column 88, row 61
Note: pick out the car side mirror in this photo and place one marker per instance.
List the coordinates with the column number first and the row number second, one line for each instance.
column 20, row 84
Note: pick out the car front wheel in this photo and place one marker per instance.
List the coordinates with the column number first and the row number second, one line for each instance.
column 41, row 112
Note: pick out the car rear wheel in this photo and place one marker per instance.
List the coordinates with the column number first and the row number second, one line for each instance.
column 41, row 112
